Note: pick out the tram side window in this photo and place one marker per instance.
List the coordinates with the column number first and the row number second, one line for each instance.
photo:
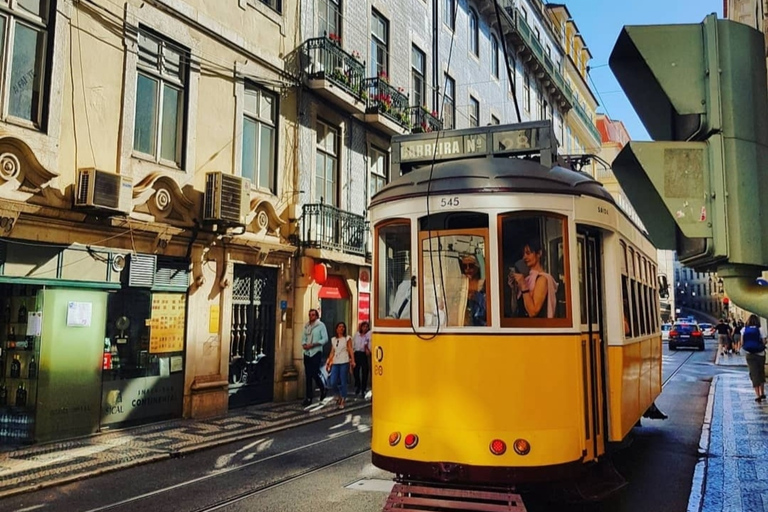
column 625, row 292
column 393, row 272
column 533, row 259
column 454, row 267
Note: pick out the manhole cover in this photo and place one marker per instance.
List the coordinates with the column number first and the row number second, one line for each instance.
column 372, row 485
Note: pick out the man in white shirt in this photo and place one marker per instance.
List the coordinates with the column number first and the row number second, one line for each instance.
column 361, row 345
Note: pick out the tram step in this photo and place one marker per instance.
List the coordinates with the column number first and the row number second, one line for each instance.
column 421, row 497
column 599, row 482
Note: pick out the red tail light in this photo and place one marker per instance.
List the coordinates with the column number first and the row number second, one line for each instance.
column 394, row 438
column 498, row 447
column 696, row 334
column 673, row 333
column 411, row 440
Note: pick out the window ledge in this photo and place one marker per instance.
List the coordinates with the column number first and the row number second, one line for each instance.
column 144, row 157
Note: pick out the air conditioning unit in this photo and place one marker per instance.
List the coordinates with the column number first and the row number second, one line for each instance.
column 104, row 190
column 227, row 198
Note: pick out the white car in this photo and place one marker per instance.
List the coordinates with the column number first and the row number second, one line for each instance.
column 665, row 328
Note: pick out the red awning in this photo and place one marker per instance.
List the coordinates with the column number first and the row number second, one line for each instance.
column 334, row 288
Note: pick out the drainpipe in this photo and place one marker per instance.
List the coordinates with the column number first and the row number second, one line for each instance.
column 436, row 57
column 739, row 283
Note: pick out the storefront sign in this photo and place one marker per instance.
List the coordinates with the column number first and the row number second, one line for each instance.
column 141, row 398
column 166, row 333
column 213, row 318
column 364, row 308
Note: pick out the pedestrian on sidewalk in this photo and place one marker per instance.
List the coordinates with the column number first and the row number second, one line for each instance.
column 754, row 346
column 737, row 327
column 723, row 336
column 312, row 340
column 361, row 344
column 339, row 362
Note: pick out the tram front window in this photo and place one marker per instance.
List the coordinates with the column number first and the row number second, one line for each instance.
column 454, row 264
column 534, row 260
column 393, row 282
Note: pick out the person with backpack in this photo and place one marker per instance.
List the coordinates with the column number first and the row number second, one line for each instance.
column 753, row 343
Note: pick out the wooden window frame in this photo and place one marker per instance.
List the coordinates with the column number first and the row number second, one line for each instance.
column 379, row 321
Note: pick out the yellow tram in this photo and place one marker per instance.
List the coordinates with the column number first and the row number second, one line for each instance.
column 515, row 312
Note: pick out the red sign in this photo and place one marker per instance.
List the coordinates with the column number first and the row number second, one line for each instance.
column 726, row 300
column 106, row 363
column 364, row 307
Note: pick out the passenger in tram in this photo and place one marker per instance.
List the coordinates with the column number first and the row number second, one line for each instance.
column 476, row 309
column 532, row 287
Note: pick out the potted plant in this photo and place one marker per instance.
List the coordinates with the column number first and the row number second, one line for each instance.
column 335, row 38
column 383, row 76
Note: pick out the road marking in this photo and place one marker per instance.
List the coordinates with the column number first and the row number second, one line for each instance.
column 372, row 485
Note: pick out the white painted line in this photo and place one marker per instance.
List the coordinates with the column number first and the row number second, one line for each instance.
column 372, row 485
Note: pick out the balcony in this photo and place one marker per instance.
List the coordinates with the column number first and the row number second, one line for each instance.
column 387, row 107
column 423, row 121
column 326, row 227
column 582, row 114
column 334, row 74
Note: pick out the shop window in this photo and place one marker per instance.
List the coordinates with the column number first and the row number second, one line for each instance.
column 534, row 262
column 454, row 269
column 393, row 273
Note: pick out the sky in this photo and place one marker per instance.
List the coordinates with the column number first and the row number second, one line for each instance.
column 600, row 22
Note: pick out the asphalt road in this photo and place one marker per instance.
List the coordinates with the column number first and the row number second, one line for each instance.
column 326, row 466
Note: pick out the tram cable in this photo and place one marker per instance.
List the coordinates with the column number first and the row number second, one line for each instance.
column 441, row 112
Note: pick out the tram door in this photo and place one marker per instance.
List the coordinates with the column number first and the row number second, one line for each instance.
column 592, row 349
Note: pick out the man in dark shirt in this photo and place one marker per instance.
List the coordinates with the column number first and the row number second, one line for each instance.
column 723, row 335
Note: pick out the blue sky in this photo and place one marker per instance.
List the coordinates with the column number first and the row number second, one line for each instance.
column 600, row 22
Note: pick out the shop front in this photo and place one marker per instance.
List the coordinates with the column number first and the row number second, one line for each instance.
column 86, row 345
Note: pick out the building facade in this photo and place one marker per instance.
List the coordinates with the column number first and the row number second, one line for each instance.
column 145, row 204
column 374, row 69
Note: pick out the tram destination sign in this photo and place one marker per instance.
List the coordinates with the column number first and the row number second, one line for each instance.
column 530, row 138
column 443, row 148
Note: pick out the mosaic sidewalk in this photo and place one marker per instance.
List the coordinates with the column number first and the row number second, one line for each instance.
column 44, row 465
column 732, row 475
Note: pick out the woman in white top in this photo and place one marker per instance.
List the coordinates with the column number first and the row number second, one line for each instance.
column 339, row 362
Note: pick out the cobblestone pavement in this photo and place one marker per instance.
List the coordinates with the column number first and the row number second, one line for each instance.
column 34, row 467
column 732, row 474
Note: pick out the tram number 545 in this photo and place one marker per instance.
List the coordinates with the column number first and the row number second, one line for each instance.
column 449, row 201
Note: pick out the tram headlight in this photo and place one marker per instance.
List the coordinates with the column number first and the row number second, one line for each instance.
column 394, row 438
column 411, row 440
column 521, row 446
column 498, row 447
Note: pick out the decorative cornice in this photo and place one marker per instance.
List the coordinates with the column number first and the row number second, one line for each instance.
column 160, row 196
column 23, row 178
column 263, row 217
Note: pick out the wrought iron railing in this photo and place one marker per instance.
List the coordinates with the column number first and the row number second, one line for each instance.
column 323, row 58
column 326, row 227
column 549, row 66
column 387, row 100
column 424, row 121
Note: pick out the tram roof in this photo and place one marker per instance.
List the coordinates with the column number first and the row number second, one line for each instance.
column 487, row 175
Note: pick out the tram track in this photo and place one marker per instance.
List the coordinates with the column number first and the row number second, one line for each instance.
column 677, row 370
column 134, row 502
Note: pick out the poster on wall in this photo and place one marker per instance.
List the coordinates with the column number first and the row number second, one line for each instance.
column 79, row 314
column 364, row 280
column 166, row 333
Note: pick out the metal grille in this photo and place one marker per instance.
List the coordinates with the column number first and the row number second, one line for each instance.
column 427, row 497
column 141, row 270
column 252, row 338
column 82, row 188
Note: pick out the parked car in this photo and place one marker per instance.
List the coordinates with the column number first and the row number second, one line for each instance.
column 708, row 331
column 685, row 334
column 665, row 328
